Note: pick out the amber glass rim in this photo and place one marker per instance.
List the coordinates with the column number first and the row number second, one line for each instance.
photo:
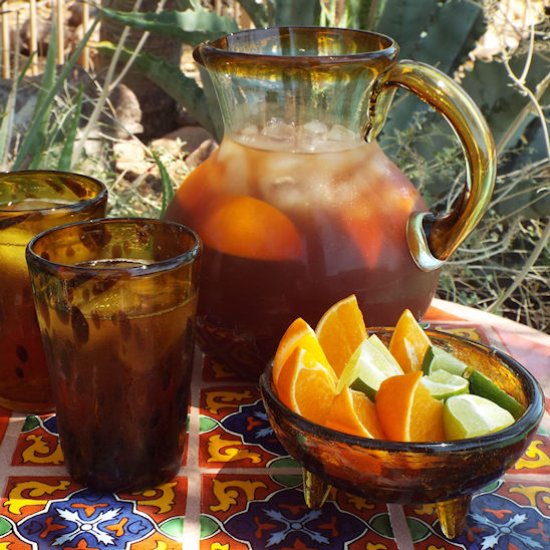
column 186, row 257
column 75, row 206
column 528, row 421
column 220, row 49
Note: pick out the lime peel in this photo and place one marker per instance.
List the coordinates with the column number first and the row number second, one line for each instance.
column 437, row 358
column 442, row 384
column 468, row 415
column 370, row 365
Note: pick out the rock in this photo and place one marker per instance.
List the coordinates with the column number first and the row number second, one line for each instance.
column 43, row 34
column 130, row 158
column 127, row 112
column 199, row 155
column 182, row 141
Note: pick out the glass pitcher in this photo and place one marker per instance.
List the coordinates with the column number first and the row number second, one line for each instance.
column 299, row 207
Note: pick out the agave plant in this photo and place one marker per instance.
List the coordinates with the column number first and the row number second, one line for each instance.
column 442, row 33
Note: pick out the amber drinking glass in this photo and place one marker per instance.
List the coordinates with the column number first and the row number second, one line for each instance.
column 31, row 202
column 116, row 301
column 445, row 473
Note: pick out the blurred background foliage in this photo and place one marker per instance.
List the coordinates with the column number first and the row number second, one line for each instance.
column 497, row 50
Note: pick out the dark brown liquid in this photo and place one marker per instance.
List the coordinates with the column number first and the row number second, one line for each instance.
column 287, row 235
column 121, row 375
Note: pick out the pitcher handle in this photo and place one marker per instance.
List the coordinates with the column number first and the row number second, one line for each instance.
column 433, row 239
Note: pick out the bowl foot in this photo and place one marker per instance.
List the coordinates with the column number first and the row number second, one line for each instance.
column 315, row 489
column 452, row 515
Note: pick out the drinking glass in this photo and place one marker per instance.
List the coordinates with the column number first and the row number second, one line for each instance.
column 30, row 202
column 116, row 301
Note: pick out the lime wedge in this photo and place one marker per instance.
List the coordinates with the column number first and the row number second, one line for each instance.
column 379, row 345
column 485, row 387
column 442, row 384
column 438, row 359
column 470, row 415
column 368, row 367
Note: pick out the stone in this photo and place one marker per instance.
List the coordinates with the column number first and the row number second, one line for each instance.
column 182, row 141
column 199, row 155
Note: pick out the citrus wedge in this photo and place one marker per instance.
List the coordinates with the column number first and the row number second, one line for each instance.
column 407, row 411
column 354, row 413
column 368, row 367
column 442, row 384
column 409, row 342
column 306, row 386
column 437, row 358
column 340, row 330
column 470, row 415
column 248, row 227
column 483, row 386
column 298, row 335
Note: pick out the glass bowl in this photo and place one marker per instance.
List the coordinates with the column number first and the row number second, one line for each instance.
column 445, row 473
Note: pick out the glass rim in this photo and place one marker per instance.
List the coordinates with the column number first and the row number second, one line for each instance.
column 216, row 50
column 186, row 257
column 75, row 206
column 529, row 420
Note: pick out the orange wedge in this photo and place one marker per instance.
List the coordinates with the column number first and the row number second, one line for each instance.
column 340, row 331
column 409, row 343
column 353, row 413
column 407, row 411
column 248, row 227
column 298, row 335
column 307, row 386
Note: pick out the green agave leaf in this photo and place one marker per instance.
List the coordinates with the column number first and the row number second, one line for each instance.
column 404, row 21
column 66, row 158
column 189, row 26
column 445, row 34
column 291, row 12
column 7, row 116
column 490, row 87
column 41, row 111
column 6, row 124
column 170, row 78
column 34, row 140
column 166, row 182
column 364, row 14
column 257, row 11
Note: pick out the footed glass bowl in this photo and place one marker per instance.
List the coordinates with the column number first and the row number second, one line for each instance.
column 445, row 473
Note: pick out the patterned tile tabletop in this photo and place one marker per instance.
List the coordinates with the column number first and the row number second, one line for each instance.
column 238, row 489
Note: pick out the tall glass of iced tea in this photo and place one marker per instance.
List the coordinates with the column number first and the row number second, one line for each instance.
column 116, row 301
column 299, row 207
column 30, row 202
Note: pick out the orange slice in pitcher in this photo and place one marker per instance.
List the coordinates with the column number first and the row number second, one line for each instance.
column 251, row 228
column 340, row 331
column 409, row 343
column 407, row 411
column 298, row 335
column 306, row 386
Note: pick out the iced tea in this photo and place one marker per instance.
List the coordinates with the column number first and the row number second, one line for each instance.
column 30, row 202
column 116, row 302
column 294, row 219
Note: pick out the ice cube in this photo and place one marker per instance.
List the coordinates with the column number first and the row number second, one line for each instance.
column 341, row 134
column 311, row 136
column 248, row 133
column 279, row 130
column 315, row 128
